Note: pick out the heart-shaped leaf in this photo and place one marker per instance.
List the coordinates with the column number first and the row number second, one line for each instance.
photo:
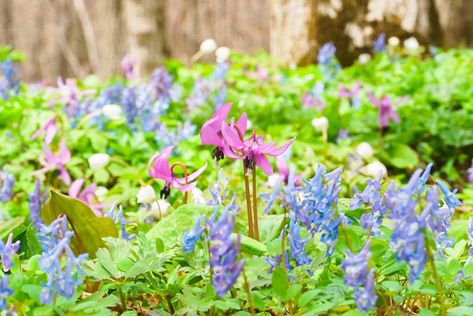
column 89, row 229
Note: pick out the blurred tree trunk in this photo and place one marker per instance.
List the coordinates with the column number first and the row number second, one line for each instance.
column 145, row 21
column 293, row 30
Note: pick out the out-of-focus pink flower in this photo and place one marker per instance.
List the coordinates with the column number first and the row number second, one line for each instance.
column 56, row 160
column 210, row 133
column 386, row 111
column 260, row 74
column 87, row 195
column 284, row 171
column 128, row 66
column 252, row 150
column 158, row 167
column 49, row 128
column 314, row 98
column 344, row 92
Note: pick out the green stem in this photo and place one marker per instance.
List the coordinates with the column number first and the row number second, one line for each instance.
column 247, row 289
column 438, row 281
column 255, row 205
column 122, row 298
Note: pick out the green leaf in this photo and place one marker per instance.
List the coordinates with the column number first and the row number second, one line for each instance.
column 392, row 286
column 251, row 246
column 8, row 226
column 280, row 281
column 308, row 297
column 171, row 228
column 460, row 311
column 88, row 228
column 401, row 156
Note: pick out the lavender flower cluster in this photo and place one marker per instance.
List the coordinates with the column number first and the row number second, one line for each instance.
column 8, row 83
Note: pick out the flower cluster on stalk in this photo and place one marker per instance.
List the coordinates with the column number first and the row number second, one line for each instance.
column 327, row 60
column 116, row 214
column 59, row 262
column 7, row 251
column 360, row 277
column 8, row 83
column 6, row 189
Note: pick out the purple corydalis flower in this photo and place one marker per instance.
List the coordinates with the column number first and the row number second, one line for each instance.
column 449, row 196
column 56, row 160
column 192, row 236
column 158, row 167
column 35, row 205
column 5, row 292
column 386, row 111
column 252, row 150
column 470, row 235
column 161, row 85
column 55, row 241
column 437, row 218
column 49, row 128
column 7, row 251
column 117, row 216
column 372, row 196
column 199, row 95
column 128, row 64
column 326, row 53
column 297, row 244
column 224, row 250
column 380, row 43
column 8, row 83
column 7, row 183
column 360, row 277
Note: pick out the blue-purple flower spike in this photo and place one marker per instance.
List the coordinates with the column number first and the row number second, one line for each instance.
column 5, row 292
column 7, row 183
column 191, row 237
column 224, row 250
column 7, row 251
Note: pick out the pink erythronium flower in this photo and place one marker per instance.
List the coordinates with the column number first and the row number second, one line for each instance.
column 284, row 171
column 210, row 133
column 252, row 150
column 49, row 128
column 128, row 66
column 57, row 160
column 87, row 195
column 159, row 168
column 344, row 92
column 386, row 110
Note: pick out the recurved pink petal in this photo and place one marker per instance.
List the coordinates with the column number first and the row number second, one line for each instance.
column 74, row 189
column 64, row 175
column 242, row 123
column 182, row 187
column 228, row 152
column 373, row 99
column 64, row 153
column 210, row 132
column 283, row 168
column 50, row 133
column 262, row 162
column 231, row 136
column 282, row 149
column 191, row 177
column 158, row 166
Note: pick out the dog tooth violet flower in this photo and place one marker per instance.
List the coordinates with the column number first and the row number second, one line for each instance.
column 98, row 161
column 159, row 168
column 253, row 150
column 128, row 64
column 7, row 251
column 49, row 128
column 146, row 194
column 386, row 111
column 57, row 160
column 211, row 134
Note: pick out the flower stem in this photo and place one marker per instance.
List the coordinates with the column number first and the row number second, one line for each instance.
column 122, row 298
column 438, row 281
column 247, row 289
column 255, row 205
column 248, row 202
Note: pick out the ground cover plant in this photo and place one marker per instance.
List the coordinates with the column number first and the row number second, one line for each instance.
column 241, row 187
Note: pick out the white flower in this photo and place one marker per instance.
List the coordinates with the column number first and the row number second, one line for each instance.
column 198, row 196
column 320, row 124
column 146, row 194
column 100, row 160
column 112, row 111
column 101, row 192
column 364, row 150
column 364, row 58
column 160, row 208
column 393, row 41
column 411, row 45
column 272, row 180
column 222, row 54
column 208, row 45
column 374, row 169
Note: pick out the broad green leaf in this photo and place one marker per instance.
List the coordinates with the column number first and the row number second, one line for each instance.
column 280, row 281
column 401, row 156
column 251, row 246
column 8, row 226
column 460, row 311
column 392, row 286
column 88, row 228
column 171, row 228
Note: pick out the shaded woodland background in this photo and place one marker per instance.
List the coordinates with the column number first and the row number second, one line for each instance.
column 73, row 38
